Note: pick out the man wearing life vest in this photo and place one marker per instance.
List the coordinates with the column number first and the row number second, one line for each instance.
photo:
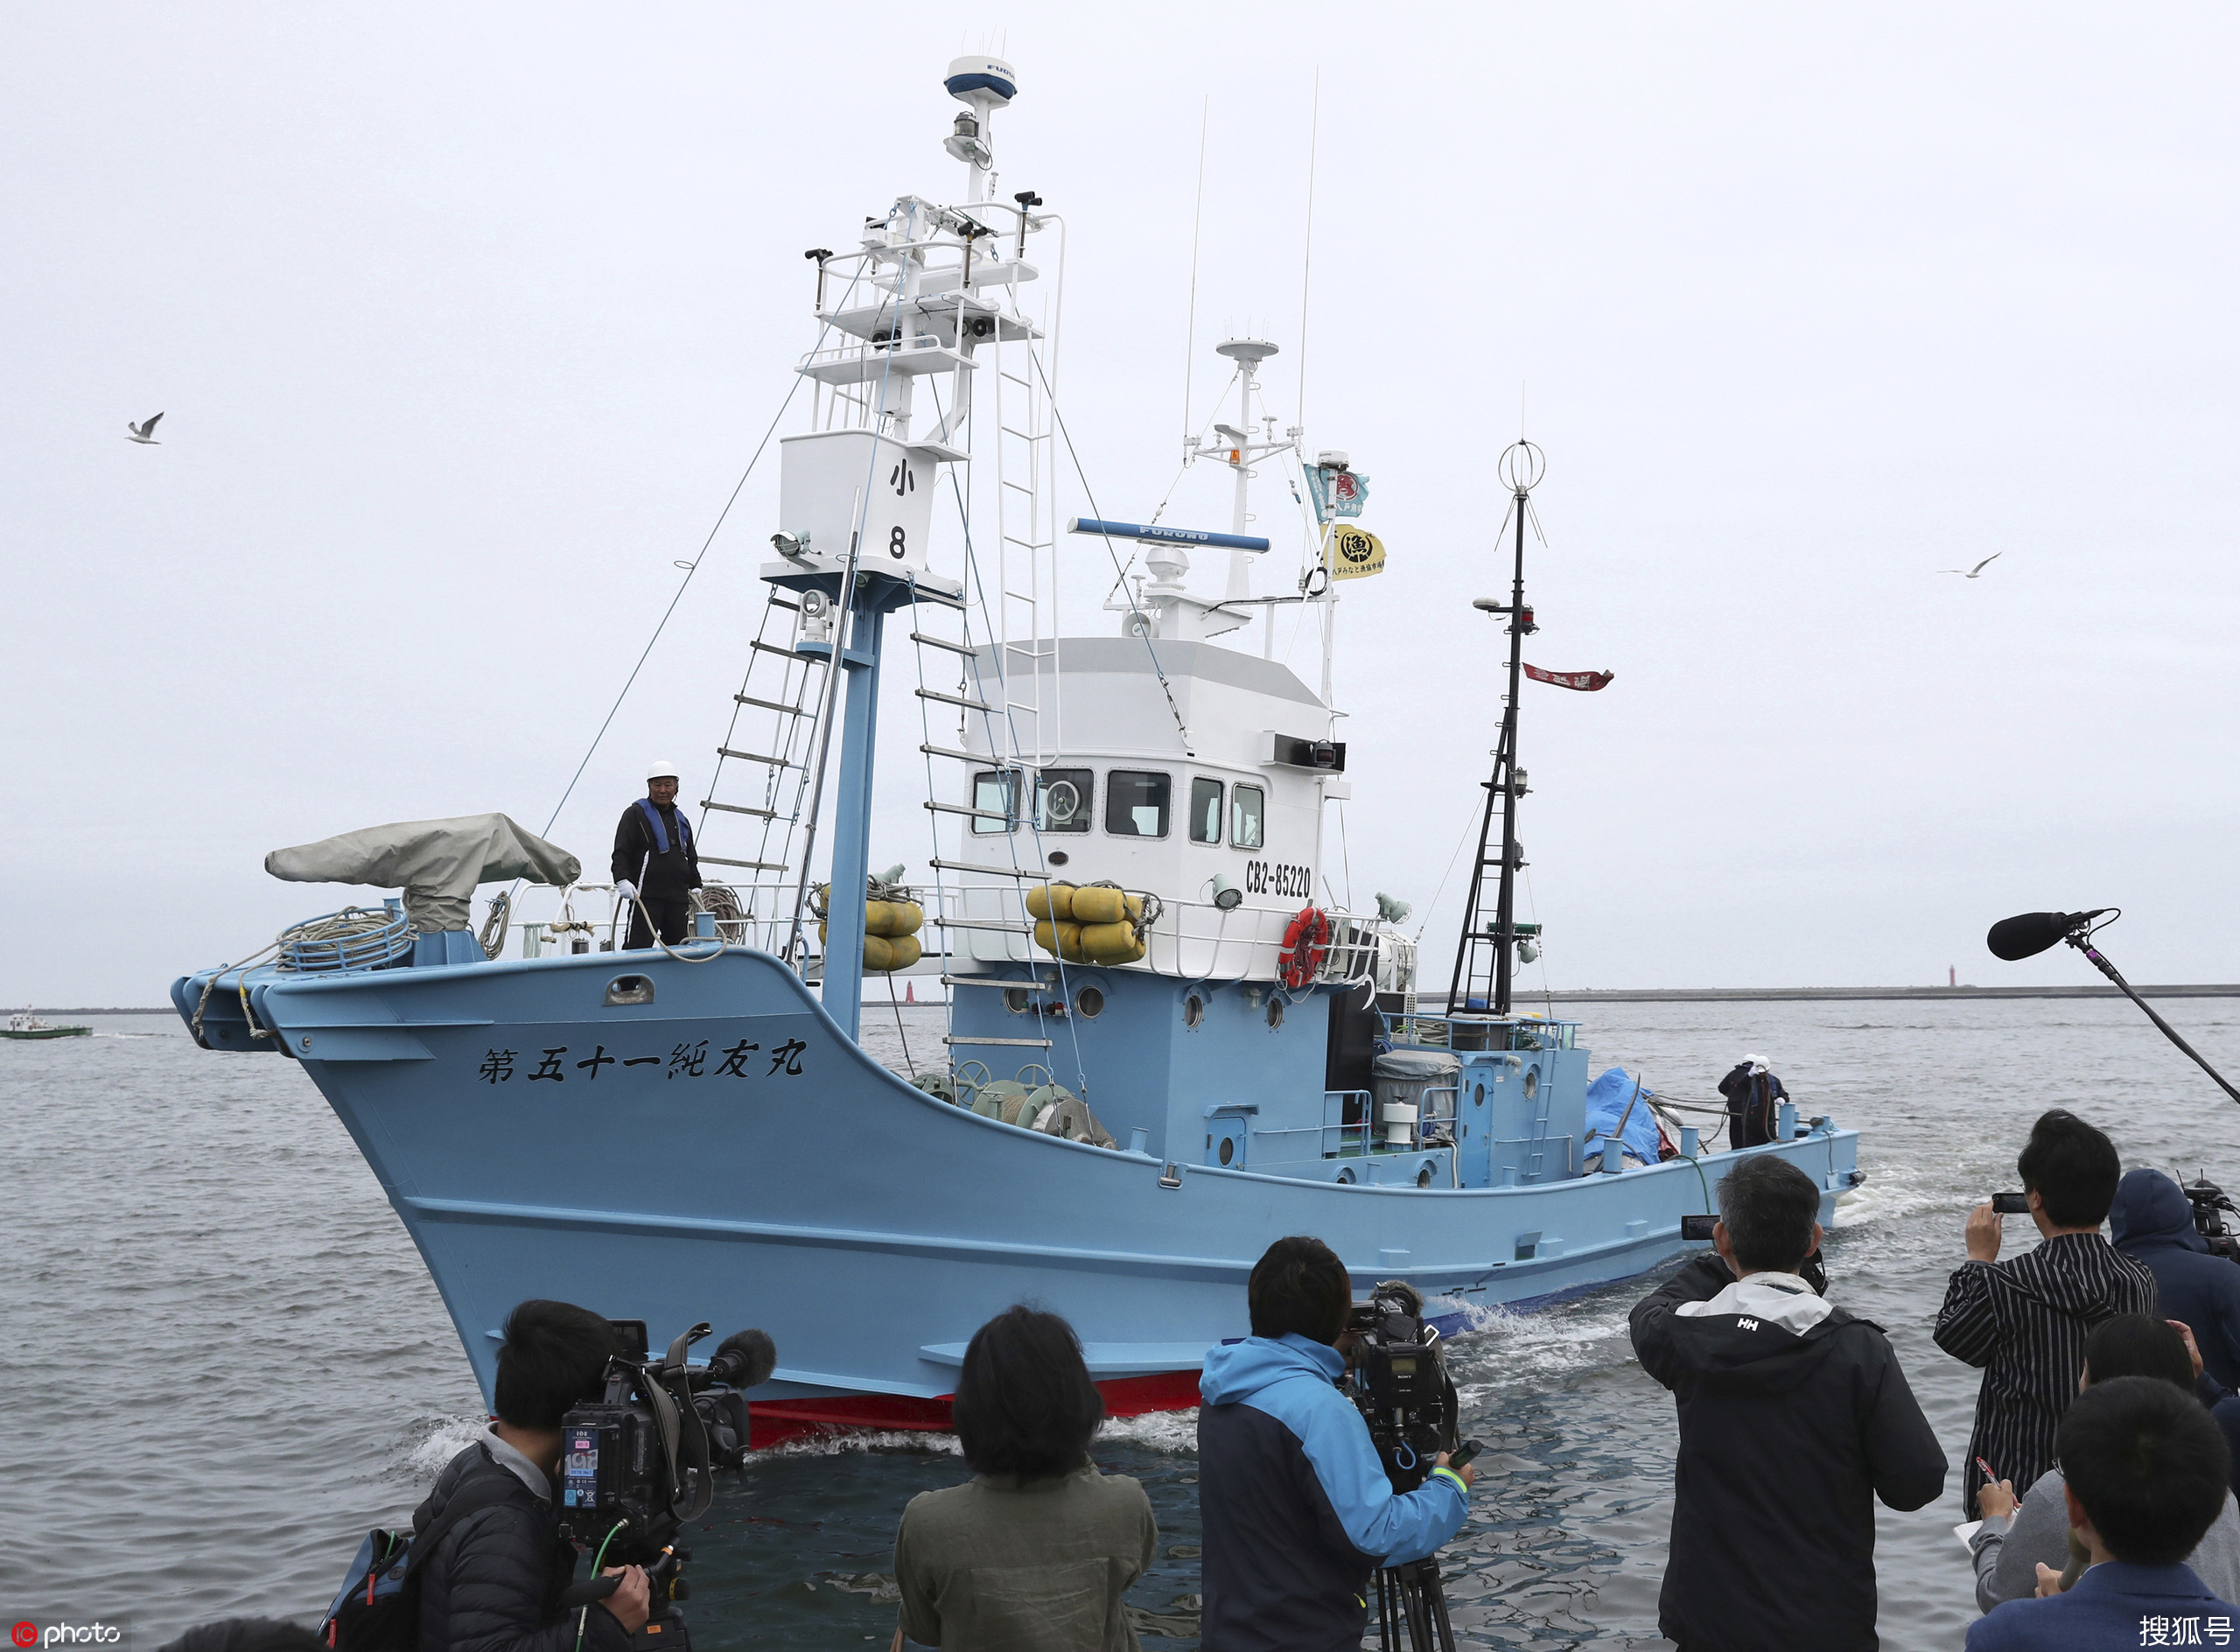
column 656, row 865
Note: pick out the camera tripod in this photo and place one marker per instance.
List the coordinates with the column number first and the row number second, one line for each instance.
column 1411, row 1597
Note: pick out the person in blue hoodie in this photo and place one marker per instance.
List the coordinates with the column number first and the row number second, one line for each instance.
column 1297, row 1508
column 2152, row 1222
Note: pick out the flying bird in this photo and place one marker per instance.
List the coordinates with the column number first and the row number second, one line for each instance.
column 1965, row 573
column 144, row 432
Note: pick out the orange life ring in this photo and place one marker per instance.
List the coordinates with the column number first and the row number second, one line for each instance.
column 1307, row 942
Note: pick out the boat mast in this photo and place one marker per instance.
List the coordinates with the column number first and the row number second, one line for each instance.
column 1521, row 467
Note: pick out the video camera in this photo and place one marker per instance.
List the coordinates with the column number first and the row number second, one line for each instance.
column 2210, row 1202
column 637, row 1463
column 1398, row 1382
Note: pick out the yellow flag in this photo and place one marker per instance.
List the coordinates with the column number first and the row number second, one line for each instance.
column 1354, row 553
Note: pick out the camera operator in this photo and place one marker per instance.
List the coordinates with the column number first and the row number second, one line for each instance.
column 1298, row 1511
column 2024, row 1321
column 494, row 1581
column 2152, row 1222
column 1794, row 1417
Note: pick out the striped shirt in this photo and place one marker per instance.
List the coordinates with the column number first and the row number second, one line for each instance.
column 2024, row 1322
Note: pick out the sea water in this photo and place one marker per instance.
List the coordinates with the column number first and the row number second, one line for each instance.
column 223, row 1360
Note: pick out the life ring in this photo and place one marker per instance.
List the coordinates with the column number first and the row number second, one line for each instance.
column 1307, row 942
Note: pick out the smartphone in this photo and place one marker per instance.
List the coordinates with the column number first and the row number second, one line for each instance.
column 1697, row 1228
column 1468, row 1449
column 2011, row 1204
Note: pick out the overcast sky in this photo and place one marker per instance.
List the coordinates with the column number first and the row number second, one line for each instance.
column 465, row 321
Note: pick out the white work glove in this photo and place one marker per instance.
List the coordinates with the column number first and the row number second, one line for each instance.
column 626, row 889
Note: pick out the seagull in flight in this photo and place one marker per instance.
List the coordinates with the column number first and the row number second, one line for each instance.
column 144, row 432
column 1965, row 573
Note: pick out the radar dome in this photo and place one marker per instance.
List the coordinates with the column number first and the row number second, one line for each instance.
column 982, row 82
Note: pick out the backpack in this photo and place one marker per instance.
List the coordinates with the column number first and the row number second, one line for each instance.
column 379, row 1607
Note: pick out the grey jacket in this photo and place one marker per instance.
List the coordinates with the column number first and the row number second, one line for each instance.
column 2007, row 1554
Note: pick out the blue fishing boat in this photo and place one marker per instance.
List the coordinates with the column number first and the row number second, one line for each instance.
column 1167, row 1042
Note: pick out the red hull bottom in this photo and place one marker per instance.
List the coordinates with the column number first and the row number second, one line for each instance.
column 773, row 1422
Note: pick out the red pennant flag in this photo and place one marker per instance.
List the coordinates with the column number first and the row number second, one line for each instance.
column 1587, row 681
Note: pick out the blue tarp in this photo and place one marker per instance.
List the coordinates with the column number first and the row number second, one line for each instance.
column 1606, row 1105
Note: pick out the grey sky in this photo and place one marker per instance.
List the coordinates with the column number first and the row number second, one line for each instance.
column 466, row 322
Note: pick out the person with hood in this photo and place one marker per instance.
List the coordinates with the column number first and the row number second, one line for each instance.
column 1795, row 1416
column 1297, row 1510
column 2024, row 1321
column 2151, row 1222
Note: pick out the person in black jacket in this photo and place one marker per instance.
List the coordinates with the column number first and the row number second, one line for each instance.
column 2152, row 1222
column 656, row 865
column 1795, row 1416
column 1754, row 1096
column 494, row 1581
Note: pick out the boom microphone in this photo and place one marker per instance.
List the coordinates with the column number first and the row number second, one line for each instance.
column 2014, row 938
column 744, row 1360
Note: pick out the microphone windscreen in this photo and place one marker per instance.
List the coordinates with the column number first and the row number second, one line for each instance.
column 758, row 1357
column 2026, row 936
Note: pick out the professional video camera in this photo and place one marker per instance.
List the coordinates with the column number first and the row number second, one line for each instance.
column 1397, row 1380
column 1399, row 1383
column 2210, row 1202
column 639, row 1462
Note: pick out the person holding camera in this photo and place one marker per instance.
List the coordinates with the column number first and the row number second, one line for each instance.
column 1298, row 1510
column 2146, row 1473
column 1035, row 1551
column 2024, row 1320
column 2151, row 1222
column 1794, row 1417
column 494, row 1580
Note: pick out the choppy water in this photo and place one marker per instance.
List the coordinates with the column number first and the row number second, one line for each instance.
column 223, row 1359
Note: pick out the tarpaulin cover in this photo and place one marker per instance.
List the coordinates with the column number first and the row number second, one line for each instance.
column 1605, row 1104
column 436, row 863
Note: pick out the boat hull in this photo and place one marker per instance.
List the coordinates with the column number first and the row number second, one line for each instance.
column 46, row 1032
column 675, row 1142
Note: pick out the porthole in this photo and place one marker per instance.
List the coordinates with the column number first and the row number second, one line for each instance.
column 1228, row 1149
column 1088, row 1002
column 1275, row 1013
column 1015, row 1000
column 1057, row 858
column 1531, row 1083
column 1194, row 1010
column 1424, row 1177
column 1479, row 1098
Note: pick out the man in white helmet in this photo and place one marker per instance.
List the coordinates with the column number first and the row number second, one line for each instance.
column 656, row 865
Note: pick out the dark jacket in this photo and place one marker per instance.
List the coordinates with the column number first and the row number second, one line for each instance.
column 1795, row 1416
column 1753, row 1105
column 2151, row 1222
column 2024, row 1321
column 638, row 857
column 493, row 1584
column 1297, row 1510
column 2111, row 1606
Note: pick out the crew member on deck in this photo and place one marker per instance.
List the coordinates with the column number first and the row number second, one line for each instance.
column 656, row 867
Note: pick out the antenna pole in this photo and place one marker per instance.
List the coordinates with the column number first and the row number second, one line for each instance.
column 1505, row 911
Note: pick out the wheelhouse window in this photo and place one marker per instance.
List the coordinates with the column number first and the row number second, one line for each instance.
column 1062, row 797
column 994, row 791
column 1247, row 814
column 1136, row 803
column 1205, row 811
